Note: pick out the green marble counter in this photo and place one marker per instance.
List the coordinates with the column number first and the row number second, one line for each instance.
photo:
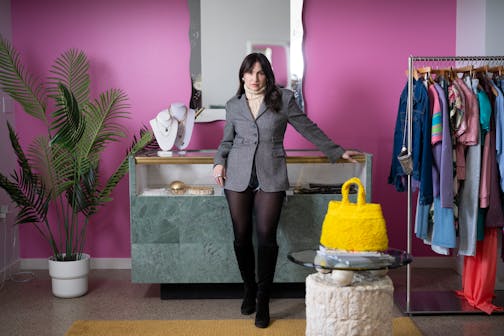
column 189, row 239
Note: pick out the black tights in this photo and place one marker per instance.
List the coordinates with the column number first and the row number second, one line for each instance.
column 266, row 206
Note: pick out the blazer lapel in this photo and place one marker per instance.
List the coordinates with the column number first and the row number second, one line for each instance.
column 244, row 109
column 262, row 109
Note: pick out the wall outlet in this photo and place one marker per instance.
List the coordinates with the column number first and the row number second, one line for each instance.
column 4, row 209
column 7, row 104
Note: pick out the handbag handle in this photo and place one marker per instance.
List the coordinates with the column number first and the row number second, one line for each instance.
column 361, row 193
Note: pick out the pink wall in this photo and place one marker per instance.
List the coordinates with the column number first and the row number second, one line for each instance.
column 278, row 62
column 139, row 46
column 355, row 51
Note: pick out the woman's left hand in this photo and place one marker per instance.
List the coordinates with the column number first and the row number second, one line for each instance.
column 349, row 154
column 219, row 173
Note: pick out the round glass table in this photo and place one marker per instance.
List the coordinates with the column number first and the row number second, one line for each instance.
column 333, row 260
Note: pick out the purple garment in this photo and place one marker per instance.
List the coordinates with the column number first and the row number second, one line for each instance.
column 443, row 155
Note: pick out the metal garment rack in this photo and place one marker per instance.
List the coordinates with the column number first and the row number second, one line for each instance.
column 437, row 302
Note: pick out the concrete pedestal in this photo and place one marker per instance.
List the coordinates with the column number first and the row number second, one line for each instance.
column 361, row 309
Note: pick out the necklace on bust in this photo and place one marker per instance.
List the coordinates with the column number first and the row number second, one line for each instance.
column 165, row 129
column 165, row 122
column 173, row 127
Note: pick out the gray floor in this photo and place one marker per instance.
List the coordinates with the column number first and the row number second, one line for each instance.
column 28, row 308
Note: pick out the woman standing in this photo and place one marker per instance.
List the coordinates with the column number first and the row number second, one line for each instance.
column 250, row 164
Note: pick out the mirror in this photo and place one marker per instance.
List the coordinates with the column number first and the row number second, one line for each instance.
column 223, row 32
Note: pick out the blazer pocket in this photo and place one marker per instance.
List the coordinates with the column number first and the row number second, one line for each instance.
column 238, row 141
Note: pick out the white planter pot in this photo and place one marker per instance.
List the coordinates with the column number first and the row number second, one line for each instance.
column 69, row 278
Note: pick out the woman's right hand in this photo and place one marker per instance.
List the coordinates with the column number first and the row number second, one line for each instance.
column 349, row 154
column 219, row 173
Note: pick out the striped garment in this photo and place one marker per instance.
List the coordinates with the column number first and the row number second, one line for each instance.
column 437, row 116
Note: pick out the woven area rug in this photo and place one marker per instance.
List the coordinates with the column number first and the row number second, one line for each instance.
column 402, row 326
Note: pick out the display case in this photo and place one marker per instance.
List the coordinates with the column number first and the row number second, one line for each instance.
column 181, row 231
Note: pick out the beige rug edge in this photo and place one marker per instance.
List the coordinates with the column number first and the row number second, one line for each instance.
column 402, row 326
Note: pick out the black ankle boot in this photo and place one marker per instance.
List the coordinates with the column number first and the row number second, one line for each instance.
column 246, row 263
column 262, row 319
column 249, row 299
column 266, row 261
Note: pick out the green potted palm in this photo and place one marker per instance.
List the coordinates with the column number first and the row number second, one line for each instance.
column 59, row 185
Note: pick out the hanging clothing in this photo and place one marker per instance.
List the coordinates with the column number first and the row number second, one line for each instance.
column 478, row 277
column 421, row 134
column 445, row 154
column 499, row 133
column 434, row 223
column 443, row 233
column 485, row 114
column 484, row 190
column 469, row 152
column 467, row 166
column 495, row 213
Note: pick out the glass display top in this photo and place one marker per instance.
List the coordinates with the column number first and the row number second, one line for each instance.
column 150, row 156
column 211, row 152
column 364, row 261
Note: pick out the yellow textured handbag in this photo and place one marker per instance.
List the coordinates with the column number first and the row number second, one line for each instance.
column 354, row 226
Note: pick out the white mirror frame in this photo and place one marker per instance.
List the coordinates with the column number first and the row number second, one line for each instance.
column 295, row 45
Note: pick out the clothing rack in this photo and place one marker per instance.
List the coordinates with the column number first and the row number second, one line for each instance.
column 437, row 302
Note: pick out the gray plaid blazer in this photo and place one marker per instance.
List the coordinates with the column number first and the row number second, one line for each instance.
column 247, row 141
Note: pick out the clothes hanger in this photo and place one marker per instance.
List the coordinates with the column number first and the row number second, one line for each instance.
column 415, row 73
column 418, row 71
column 483, row 68
column 468, row 69
column 486, row 69
column 442, row 74
column 426, row 72
column 423, row 70
column 499, row 69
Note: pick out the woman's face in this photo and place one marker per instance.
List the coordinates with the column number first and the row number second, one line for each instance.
column 255, row 79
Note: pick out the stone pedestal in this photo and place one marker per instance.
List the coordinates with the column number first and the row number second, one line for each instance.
column 362, row 308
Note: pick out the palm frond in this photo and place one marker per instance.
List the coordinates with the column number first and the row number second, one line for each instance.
column 102, row 118
column 25, row 189
column 18, row 151
column 68, row 120
column 84, row 194
column 13, row 190
column 19, row 84
column 53, row 163
column 71, row 70
column 138, row 143
column 36, row 206
column 29, row 196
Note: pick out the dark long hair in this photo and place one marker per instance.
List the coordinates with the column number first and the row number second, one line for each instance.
column 272, row 94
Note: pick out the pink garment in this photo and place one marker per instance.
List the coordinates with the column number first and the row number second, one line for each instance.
column 470, row 136
column 478, row 277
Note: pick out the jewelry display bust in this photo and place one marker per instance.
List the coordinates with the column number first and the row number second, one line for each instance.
column 173, row 127
column 185, row 118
